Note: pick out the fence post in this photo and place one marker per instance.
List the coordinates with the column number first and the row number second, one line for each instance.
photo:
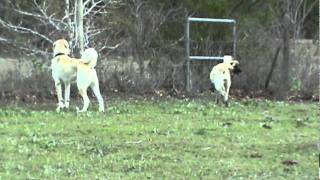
column 188, row 79
column 234, row 39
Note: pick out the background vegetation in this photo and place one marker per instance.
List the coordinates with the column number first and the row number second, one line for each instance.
column 142, row 48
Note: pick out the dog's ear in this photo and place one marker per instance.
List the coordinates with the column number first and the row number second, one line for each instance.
column 236, row 61
column 65, row 43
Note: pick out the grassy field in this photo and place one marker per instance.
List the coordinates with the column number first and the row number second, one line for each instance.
column 161, row 139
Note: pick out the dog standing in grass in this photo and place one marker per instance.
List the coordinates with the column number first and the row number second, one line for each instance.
column 87, row 77
column 66, row 69
column 220, row 76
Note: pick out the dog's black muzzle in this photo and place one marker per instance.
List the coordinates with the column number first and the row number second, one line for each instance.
column 237, row 69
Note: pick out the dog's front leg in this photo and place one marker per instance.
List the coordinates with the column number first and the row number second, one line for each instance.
column 226, row 97
column 67, row 94
column 59, row 94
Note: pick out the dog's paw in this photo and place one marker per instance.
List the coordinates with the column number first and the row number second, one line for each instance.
column 59, row 108
column 101, row 110
column 80, row 111
column 226, row 103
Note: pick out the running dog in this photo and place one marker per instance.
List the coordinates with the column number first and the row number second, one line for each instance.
column 220, row 76
column 66, row 69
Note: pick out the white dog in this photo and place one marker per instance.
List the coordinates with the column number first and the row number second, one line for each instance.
column 220, row 76
column 87, row 77
column 65, row 69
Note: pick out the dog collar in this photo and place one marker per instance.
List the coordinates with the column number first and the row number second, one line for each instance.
column 59, row 54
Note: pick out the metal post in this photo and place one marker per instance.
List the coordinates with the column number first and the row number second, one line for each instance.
column 188, row 79
column 234, row 40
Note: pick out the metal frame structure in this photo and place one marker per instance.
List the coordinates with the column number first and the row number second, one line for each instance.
column 188, row 43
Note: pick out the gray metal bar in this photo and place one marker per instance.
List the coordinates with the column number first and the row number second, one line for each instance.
column 188, row 79
column 193, row 19
column 234, row 40
column 206, row 57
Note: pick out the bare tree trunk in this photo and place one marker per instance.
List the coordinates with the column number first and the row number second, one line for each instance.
column 67, row 14
column 285, row 85
column 285, row 64
column 69, row 22
column 273, row 65
column 79, row 22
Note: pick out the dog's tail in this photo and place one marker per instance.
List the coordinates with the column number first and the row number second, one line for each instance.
column 90, row 56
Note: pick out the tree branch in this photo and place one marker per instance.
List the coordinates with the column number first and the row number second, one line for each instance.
column 40, row 17
column 94, row 4
column 24, row 30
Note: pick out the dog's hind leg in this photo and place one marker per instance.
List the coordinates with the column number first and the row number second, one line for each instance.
column 96, row 90
column 59, row 94
column 86, row 101
column 221, row 92
column 216, row 97
column 215, row 93
column 67, row 95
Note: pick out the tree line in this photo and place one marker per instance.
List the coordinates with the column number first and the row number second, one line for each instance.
column 147, row 29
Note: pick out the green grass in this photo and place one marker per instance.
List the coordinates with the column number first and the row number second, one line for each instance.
column 161, row 139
